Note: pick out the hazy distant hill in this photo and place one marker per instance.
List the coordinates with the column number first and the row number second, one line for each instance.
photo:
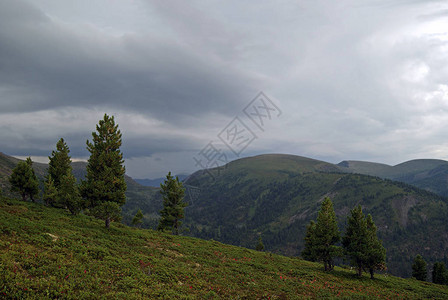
column 157, row 181
column 364, row 167
column 276, row 196
column 428, row 174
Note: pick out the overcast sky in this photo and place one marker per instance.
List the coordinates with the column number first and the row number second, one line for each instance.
column 349, row 79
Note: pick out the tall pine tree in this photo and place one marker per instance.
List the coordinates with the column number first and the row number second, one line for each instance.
column 60, row 163
column 24, row 181
column 59, row 166
column 376, row 253
column 356, row 239
column 104, row 188
column 322, row 237
column 173, row 194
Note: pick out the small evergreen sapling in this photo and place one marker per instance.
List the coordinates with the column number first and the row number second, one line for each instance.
column 439, row 273
column 68, row 194
column 260, row 245
column 419, row 268
column 137, row 220
column 50, row 192
column 308, row 252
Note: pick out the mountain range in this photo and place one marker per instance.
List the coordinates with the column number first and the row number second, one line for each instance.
column 428, row 174
column 275, row 196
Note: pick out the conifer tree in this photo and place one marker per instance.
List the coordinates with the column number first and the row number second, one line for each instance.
column 322, row 236
column 61, row 180
column 173, row 193
column 308, row 252
column 419, row 268
column 356, row 241
column 137, row 220
column 24, row 181
column 108, row 211
column 439, row 273
column 68, row 194
column 50, row 192
column 376, row 253
column 260, row 245
column 104, row 188
column 60, row 163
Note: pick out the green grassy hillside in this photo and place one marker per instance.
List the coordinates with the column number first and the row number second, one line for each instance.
column 263, row 166
column 47, row 253
column 239, row 206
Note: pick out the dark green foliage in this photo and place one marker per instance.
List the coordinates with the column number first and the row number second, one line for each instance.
column 308, row 252
column 60, row 163
column 50, row 192
column 322, row 236
column 439, row 273
column 24, row 181
column 61, row 190
column 376, row 253
column 107, row 211
column 419, row 268
column 260, row 246
column 68, row 194
column 361, row 244
column 137, row 220
column 356, row 240
column 105, row 181
column 173, row 193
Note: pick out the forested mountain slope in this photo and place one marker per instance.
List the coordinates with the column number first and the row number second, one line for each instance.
column 276, row 196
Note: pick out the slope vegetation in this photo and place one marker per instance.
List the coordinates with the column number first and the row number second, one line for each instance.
column 47, row 253
column 138, row 196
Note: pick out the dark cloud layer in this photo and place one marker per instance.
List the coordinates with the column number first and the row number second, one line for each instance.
column 354, row 80
column 46, row 65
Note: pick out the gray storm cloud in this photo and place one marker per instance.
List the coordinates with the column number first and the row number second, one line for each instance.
column 355, row 81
